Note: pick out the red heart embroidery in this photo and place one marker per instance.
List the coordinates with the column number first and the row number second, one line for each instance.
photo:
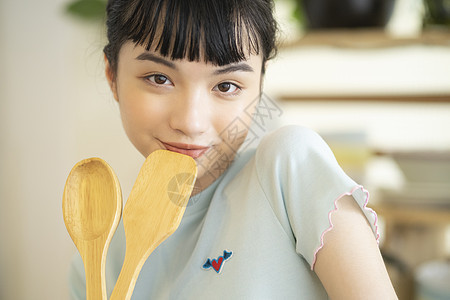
column 217, row 264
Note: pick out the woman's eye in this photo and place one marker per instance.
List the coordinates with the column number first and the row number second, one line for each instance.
column 227, row 87
column 158, row 79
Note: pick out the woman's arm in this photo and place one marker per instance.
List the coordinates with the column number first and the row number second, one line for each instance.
column 350, row 265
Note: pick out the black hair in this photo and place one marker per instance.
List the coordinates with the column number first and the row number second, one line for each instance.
column 218, row 31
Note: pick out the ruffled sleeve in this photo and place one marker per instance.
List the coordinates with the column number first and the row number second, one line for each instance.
column 303, row 182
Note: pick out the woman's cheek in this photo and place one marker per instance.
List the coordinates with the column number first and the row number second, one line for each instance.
column 235, row 127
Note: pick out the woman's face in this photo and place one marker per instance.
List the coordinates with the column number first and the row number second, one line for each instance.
column 193, row 108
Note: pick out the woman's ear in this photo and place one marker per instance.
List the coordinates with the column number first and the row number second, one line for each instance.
column 111, row 78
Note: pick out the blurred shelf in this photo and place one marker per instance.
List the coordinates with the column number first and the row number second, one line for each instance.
column 413, row 215
column 362, row 65
column 413, row 235
column 369, row 98
column 369, row 38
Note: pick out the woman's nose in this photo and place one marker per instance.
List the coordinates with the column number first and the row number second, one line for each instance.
column 190, row 114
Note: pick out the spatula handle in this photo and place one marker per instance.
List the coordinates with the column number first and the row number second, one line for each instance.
column 131, row 268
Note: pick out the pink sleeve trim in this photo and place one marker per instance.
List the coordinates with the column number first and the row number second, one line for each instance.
column 377, row 235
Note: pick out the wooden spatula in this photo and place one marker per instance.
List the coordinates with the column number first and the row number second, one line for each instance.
column 153, row 211
column 92, row 205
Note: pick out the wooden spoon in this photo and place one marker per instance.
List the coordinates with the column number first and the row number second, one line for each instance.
column 92, row 207
column 153, row 211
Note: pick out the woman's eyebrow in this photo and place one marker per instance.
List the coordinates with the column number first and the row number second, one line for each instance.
column 156, row 59
column 243, row 67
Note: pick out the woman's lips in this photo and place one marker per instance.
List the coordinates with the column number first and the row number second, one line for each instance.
column 193, row 151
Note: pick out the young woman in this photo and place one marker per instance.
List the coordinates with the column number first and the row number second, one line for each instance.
column 280, row 220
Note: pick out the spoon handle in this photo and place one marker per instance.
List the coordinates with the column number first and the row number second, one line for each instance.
column 94, row 262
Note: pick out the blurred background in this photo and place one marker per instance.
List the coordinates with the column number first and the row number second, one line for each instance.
column 371, row 76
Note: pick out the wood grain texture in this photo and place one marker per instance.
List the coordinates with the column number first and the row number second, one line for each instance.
column 92, row 207
column 153, row 211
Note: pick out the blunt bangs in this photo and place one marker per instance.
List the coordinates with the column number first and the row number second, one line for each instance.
column 220, row 32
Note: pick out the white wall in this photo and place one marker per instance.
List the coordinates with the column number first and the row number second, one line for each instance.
column 55, row 109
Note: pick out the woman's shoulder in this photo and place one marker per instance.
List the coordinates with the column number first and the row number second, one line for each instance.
column 292, row 142
column 290, row 131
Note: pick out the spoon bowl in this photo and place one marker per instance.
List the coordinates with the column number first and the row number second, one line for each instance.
column 92, row 207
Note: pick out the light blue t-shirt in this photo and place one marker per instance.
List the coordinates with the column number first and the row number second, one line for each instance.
column 253, row 234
